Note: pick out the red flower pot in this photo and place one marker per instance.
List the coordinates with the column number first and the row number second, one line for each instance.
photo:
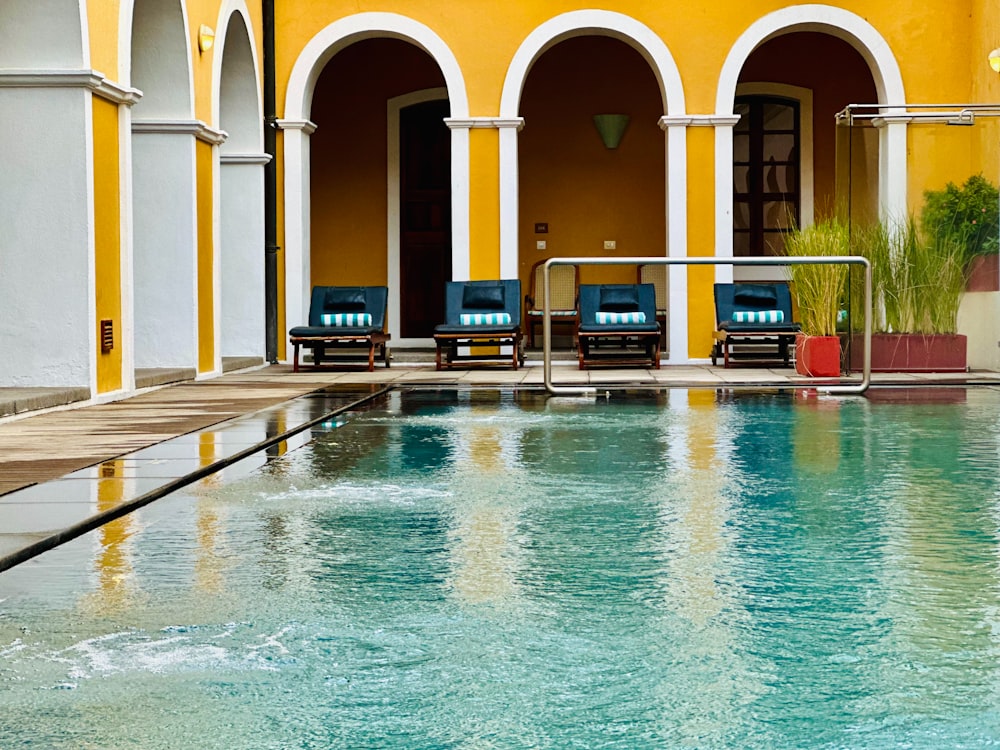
column 817, row 356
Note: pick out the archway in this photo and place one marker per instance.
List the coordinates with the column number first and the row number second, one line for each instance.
column 299, row 128
column 241, row 197
column 666, row 76
column 874, row 73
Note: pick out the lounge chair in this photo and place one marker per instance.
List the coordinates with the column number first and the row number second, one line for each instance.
column 564, row 286
column 343, row 317
column 753, row 323
column 480, row 314
column 620, row 315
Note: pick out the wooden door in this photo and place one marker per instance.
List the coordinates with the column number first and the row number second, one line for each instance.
column 425, row 216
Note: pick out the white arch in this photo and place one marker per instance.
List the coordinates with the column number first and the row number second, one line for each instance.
column 298, row 104
column 183, row 105
column 590, row 22
column 229, row 9
column 837, row 22
column 871, row 45
column 641, row 38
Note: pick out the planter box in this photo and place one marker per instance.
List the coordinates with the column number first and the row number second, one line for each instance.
column 984, row 274
column 911, row 352
column 817, row 356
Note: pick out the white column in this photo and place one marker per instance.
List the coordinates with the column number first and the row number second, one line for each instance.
column 892, row 188
column 509, row 197
column 297, row 220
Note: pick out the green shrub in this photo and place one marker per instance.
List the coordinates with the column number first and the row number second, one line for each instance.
column 969, row 215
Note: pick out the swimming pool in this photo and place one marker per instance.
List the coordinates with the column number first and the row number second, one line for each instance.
column 502, row 569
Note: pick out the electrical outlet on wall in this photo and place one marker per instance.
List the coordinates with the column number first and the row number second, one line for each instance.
column 610, row 244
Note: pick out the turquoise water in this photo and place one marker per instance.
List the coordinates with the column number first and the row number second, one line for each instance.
column 504, row 570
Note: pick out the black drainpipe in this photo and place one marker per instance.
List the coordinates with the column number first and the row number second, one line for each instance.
column 270, row 190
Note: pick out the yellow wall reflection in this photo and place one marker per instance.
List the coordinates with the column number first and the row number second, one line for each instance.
column 117, row 586
column 484, row 554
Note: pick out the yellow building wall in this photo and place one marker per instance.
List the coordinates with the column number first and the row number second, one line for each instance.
column 484, row 200
column 206, row 256
column 701, row 242
column 102, row 24
column 699, row 38
column 107, row 240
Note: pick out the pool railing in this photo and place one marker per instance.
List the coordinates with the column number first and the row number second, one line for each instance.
column 835, row 388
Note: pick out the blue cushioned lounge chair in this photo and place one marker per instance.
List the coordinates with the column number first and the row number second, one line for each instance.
column 480, row 314
column 341, row 318
column 620, row 315
column 753, row 323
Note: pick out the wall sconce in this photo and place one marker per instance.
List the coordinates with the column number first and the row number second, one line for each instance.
column 994, row 59
column 206, row 38
column 611, row 128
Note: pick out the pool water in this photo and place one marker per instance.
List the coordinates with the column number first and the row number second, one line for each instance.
column 502, row 569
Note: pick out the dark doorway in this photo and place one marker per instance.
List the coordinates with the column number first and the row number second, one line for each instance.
column 425, row 216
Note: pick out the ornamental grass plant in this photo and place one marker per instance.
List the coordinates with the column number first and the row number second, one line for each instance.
column 819, row 288
column 917, row 278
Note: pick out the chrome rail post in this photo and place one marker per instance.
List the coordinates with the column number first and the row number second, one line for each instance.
column 835, row 388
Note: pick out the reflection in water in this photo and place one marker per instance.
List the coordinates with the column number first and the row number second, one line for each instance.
column 714, row 681
column 816, row 434
column 484, row 555
column 117, row 586
column 208, row 563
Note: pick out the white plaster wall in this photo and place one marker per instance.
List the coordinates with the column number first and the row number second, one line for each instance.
column 41, row 34
column 979, row 319
column 166, row 305
column 239, row 99
column 242, row 272
column 46, row 271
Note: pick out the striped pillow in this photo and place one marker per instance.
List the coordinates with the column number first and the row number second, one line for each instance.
column 484, row 319
column 619, row 318
column 346, row 320
column 759, row 316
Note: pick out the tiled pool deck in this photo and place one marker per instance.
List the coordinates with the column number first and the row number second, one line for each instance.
column 67, row 469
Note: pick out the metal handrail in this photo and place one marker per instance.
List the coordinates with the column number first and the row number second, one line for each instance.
column 770, row 261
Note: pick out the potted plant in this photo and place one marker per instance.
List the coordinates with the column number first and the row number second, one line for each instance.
column 818, row 290
column 918, row 279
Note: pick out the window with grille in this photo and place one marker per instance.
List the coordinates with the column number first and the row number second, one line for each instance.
column 766, row 194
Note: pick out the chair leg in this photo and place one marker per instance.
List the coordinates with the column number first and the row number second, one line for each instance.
column 295, row 357
column 371, row 356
